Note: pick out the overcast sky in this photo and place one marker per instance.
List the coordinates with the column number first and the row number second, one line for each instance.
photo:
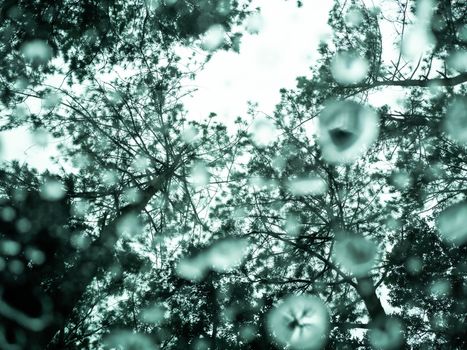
column 284, row 48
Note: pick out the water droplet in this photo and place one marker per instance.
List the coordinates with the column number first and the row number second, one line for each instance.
column 354, row 253
column 8, row 214
column 213, row 38
column 16, row 267
column 52, row 190
column 129, row 226
column 254, row 23
column 292, row 224
column 41, row 137
column 154, row 314
column 349, row 68
column 51, row 100
column 199, row 176
column 80, row 207
column 414, row 265
column 35, row 255
column 299, row 322
column 23, row 225
column 346, row 131
column 311, row 185
column 140, row 163
column 455, row 122
column 153, row 4
column 225, row 255
column 386, row 334
column 80, row 241
column 458, row 60
column 401, row 179
column 354, row 17
column 109, row 177
column 416, row 41
column 37, row 51
column 192, row 269
column 10, row 247
column 190, row 134
column 439, row 288
column 263, row 132
column 451, row 224
column 462, row 32
column 128, row 340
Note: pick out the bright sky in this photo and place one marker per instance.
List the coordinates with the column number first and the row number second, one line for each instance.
column 285, row 48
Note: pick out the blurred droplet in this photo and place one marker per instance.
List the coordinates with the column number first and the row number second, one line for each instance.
column 254, row 23
column 81, row 160
column 37, row 51
column 132, row 195
column 462, row 33
column 23, row 225
column 80, row 207
column 34, row 255
column 129, row 226
column 457, row 60
column 21, row 83
column 455, row 122
column 401, row 179
column 259, row 183
column 292, row 224
column 439, row 288
column 354, row 17
column 140, row 163
column 154, row 314
column 224, row 7
column 349, row 68
column 51, row 100
column 109, row 177
column 153, row 4
column 9, row 247
column 424, row 11
column 127, row 340
column 278, row 163
column 7, row 214
column 263, row 132
column 451, row 224
column 299, row 322
column 41, row 137
column 192, row 269
column 417, row 40
column 311, row 185
column 346, row 131
column 354, row 253
column 387, row 334
column 239, row 213
column 414, row 265
column 226, row 254
column 52, row 190
column 213, row 38
column 190, row 134
column 20, row 112
column 199, row 176
column 80, row 241
column 16, row 267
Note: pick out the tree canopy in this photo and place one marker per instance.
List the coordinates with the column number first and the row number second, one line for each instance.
column 336, row 222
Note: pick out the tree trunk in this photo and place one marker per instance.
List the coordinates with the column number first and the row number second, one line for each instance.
column 98, row 257
column 367, row 291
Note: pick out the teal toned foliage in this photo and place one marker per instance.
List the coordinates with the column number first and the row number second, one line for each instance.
column 335, row 222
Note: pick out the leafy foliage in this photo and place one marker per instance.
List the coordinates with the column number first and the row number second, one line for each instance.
column 164, row 232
